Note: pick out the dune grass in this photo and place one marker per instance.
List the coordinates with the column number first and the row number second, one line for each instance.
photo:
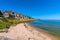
column 11, row 22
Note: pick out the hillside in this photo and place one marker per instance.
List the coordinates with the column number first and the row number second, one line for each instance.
column 9, row 18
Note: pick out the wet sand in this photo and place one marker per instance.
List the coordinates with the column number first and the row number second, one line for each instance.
column 52, row 36
column 24, row 31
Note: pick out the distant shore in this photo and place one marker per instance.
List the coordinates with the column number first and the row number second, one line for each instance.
column 24, row 31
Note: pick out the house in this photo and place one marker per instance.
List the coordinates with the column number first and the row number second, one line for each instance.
column 21, row 16
column 17, row 15
column 24, row 17
column 11, row 14
column 5, row 14
column 8, row 14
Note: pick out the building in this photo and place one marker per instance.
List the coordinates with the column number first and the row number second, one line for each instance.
column 8, row 14
column 11, row 14
column 17, row 15
column 5, row 14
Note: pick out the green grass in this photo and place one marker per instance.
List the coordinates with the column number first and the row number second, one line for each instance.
column 11, row 21
column 2, row 25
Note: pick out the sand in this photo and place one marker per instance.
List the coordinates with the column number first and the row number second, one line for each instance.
column 24, row 32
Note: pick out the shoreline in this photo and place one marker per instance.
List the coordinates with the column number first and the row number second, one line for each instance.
column 24, row 31
column 54, row 37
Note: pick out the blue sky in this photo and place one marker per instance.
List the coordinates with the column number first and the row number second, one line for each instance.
column 43, row 9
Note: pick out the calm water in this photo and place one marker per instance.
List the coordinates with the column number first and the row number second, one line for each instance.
column 51, row 26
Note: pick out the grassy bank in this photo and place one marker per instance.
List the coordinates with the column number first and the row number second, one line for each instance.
column 11, row 22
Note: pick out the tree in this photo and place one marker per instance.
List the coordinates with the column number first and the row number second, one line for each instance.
column 1, row 13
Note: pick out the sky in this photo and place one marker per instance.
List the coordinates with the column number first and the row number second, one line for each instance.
column 39, row 9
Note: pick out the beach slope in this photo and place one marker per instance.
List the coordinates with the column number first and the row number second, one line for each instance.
column 24, row 31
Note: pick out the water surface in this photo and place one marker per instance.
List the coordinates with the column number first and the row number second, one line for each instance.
column 51, row 26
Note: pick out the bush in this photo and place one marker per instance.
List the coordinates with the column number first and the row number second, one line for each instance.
column 2, row 25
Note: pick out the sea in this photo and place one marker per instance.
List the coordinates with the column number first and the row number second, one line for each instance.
column 51, row 26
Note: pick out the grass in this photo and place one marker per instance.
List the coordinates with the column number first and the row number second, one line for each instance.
column 11, row 22
column 2, row 25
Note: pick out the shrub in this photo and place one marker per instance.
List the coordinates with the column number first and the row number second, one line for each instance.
column 2, row 25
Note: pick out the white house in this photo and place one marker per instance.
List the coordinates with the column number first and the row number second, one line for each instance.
column 5, row 14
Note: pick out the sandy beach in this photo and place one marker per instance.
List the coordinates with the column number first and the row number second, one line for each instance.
column 25, row 32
